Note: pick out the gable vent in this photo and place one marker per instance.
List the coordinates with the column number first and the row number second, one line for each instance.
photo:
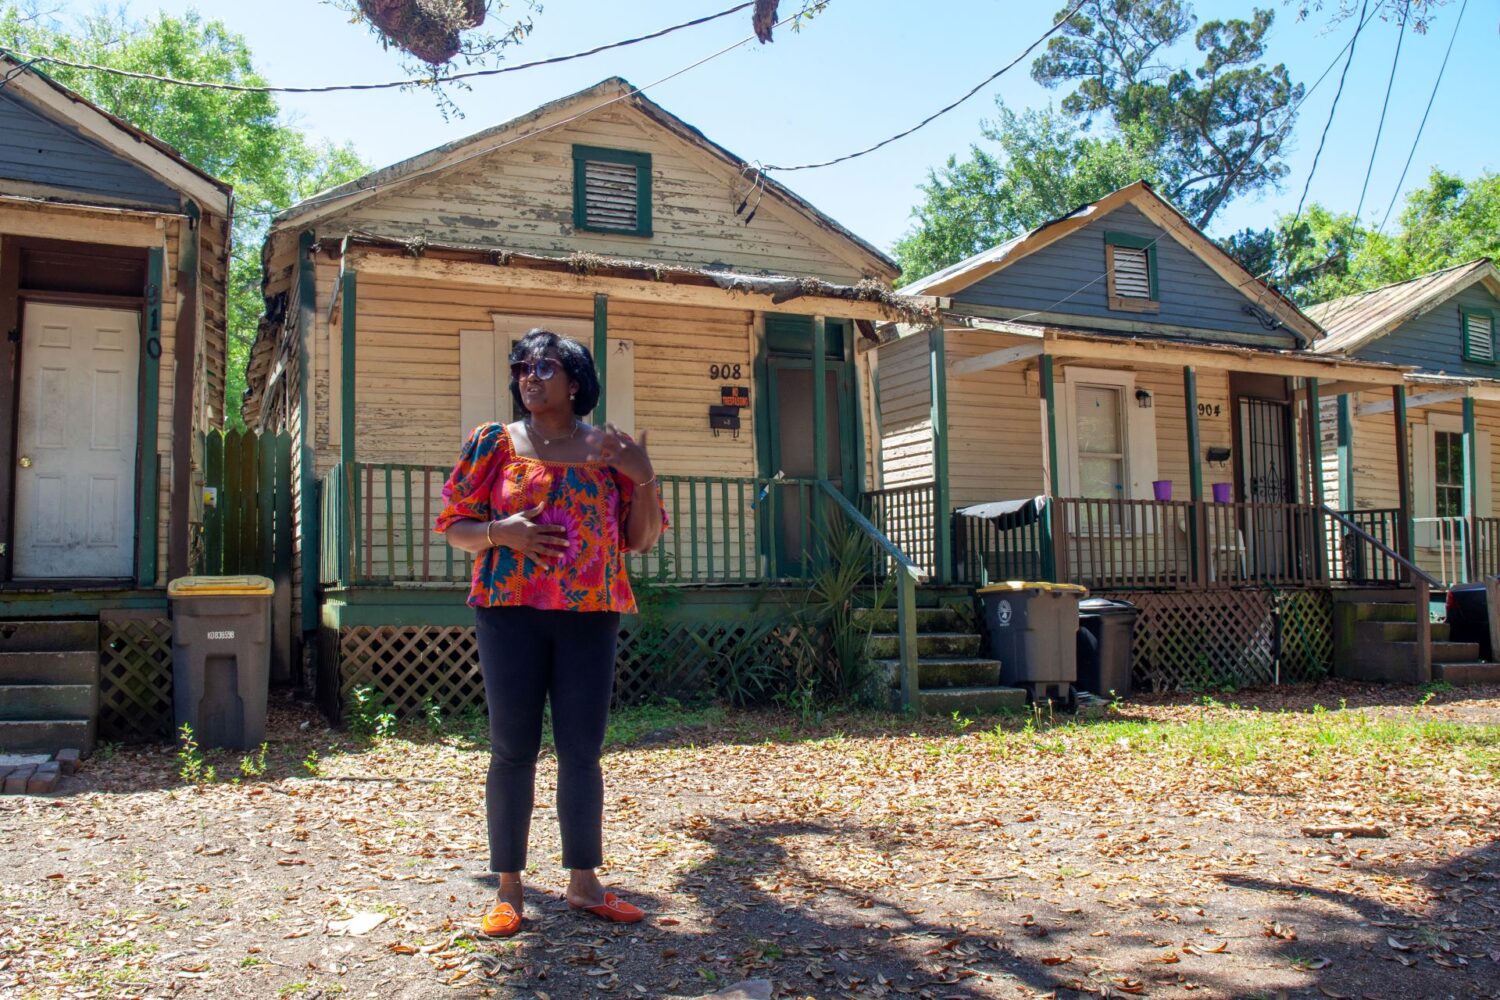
column 1132, row 273
column 1479, row 337
column 611, row 196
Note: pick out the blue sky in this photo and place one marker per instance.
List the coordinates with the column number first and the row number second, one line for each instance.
column 866, row 69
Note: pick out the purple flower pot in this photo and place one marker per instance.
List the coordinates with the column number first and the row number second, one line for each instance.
column 1223, row 492
column 1162, row 488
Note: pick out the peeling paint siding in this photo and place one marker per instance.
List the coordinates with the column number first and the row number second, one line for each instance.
column 521, row 198
column 906, row 413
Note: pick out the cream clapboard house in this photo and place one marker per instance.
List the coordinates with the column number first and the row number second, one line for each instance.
column 113, row 260
column 724, row 310
column 1443, row 325
column 1111, row 400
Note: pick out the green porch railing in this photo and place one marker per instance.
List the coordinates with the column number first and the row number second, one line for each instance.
column 377, row 529
column 907, row 515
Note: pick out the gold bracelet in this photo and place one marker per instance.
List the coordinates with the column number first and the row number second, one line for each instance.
column 489, row 526
column 641, row 486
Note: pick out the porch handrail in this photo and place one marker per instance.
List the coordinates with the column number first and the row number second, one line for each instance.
column 908, row 575
column 1417, row 572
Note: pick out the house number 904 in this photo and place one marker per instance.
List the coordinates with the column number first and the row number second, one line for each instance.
column 1209, row 409
column 718, row 372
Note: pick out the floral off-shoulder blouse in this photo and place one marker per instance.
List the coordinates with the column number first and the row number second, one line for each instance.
column 588, row 499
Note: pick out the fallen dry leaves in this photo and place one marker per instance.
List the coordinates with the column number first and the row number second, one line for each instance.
column 1160, row 853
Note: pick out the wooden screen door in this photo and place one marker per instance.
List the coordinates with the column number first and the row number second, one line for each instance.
column 1267, row 467
column 75, row 500
column 791, row 406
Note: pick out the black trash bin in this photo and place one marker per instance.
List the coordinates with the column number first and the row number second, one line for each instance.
column 221, row 658
column 1032, row 630
column 1106, row 635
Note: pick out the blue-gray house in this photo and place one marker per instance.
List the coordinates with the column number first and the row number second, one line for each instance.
column 1137, row 404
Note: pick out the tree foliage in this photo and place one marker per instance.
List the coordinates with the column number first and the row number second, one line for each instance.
column 241, row 138
column 1202, row 136
column 1447, row 222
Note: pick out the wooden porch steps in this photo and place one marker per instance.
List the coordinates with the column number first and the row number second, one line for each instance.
column 49, row 686
column 953, row 674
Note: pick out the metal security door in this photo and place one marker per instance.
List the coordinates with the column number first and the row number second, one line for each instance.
column 791, row 399
column 1267, row 464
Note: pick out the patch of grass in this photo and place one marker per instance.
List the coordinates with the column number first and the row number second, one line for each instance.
column 628, row 725
column 294, row 989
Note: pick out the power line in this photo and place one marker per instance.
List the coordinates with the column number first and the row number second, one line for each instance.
column 33, row 58
column 337, row 193
column 943, row 111
column 1431, row 97
column 1389, row 85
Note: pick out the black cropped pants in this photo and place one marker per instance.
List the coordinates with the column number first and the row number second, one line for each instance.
column 528, row 657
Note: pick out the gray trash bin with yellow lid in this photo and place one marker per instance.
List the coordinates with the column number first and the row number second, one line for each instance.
column 221, row 657
column 1033, row 631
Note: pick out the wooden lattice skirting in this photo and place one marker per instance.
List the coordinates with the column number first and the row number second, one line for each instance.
column 1207, row 640
column 135, row 678
column 412, row 666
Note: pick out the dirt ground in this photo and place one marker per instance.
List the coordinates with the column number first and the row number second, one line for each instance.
column 1157, row 852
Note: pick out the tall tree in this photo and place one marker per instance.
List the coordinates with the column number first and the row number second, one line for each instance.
column 242, row 138
column 1223, row 124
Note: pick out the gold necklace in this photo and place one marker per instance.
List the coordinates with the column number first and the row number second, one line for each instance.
column 547, row 442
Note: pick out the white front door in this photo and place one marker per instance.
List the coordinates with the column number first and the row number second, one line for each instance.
column 76, row 443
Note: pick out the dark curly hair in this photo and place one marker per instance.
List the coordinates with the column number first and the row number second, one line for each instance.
column 577, row 363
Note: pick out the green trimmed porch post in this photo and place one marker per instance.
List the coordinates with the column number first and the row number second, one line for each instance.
column 150, row 493
column 1346, row 452
column 820, row 416
column 1195, row 470
column 1050, row 524
column 601, row 355
column 1406, row 538
column 1471, row 488
column 347, row 437
column 937, row 375
column 1315, row 458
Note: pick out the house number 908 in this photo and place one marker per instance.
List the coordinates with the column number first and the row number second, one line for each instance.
column 1209, row 409
column 717, row 372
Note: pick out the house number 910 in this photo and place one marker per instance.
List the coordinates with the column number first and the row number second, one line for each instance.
column 718, row 372
column 1209, row 409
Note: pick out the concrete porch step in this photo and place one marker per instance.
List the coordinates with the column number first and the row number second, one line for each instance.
column 48, row 636
column 47, row 735
column 1377, row 612
column 943, row 672
column 884, row 620
column 1463, row 674
column 1381, row 631
column 49, row 667
column 971, row 700
column 20, row 702
column 882, row 645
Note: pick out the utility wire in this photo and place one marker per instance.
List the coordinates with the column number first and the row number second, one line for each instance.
column 390, row 85
column 340, row 192
column 1390, row 84
column 939, row 113
column 1431, row 97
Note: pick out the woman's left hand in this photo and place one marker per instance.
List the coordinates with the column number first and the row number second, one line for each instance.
column 615, row 448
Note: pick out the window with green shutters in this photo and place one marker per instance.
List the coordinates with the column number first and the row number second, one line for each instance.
column 611, row 191
column 1479, row 335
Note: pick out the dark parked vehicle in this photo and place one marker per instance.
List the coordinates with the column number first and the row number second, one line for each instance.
column 1468, row 617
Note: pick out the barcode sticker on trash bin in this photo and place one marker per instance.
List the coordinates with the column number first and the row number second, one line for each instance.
column 222, row 635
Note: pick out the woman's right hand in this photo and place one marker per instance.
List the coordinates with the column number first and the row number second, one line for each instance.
column 539, row 542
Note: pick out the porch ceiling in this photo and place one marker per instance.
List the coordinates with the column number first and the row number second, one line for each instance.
column 1071, row 344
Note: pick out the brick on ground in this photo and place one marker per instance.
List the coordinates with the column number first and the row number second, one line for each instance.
column 15, row 782
column 68, row 759
column 45, row 779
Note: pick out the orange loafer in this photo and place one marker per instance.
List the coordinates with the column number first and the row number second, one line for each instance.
column 615, row 910
column 501, row 921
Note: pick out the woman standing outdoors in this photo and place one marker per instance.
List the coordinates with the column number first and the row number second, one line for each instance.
column 550, row 505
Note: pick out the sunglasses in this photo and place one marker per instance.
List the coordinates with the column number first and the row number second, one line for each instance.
column 542, row 368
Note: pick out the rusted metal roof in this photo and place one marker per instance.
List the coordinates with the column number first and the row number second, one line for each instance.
column 1355, row 320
